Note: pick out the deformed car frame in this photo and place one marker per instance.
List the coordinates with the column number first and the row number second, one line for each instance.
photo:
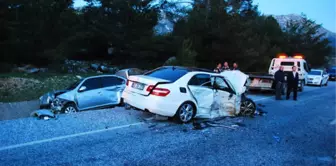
column 91, row 92
column 186, row 93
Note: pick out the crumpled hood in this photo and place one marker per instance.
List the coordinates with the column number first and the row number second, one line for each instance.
column 69, row 95
column 237, row 80
column 59, row 92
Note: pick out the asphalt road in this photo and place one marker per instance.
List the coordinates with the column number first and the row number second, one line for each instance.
column 289, row 133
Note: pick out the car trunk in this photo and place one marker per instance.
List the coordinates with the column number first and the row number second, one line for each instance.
column 140, row 83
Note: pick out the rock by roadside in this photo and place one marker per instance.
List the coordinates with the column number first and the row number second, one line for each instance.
column 17, row 109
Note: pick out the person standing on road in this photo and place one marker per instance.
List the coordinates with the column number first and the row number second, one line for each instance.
column 279, row 79
column 235, row 66
column 226, row 66
column 293, row 81
column 218, row 69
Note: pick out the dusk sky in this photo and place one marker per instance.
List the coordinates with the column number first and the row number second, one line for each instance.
column 322, row 11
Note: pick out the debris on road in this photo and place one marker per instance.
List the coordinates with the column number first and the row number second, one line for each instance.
column 240, row 124
column 43, row 114
column 200, row 125
column 127, row 106
column 260, row 112
column 333, row 122
column 277, row 138
column 261, row 105
column 325, row 158
column 160, row 118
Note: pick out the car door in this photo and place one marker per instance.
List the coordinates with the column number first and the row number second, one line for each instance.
column 225, row 98
column 92, row 95
column 201, row 90
column 112, row 88
column 326, row 77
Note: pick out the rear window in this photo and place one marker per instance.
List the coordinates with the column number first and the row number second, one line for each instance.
column 121, row 73
column 287, row 63
column 132, row 72
column 168, row 73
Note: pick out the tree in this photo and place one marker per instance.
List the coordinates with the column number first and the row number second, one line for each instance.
column 304, row 37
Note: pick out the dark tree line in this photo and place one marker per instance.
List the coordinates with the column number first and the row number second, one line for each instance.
column 44, row 32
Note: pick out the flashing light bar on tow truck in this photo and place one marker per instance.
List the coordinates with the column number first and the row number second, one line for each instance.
column 296, row 56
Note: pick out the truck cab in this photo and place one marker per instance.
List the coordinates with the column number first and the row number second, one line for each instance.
column 287, row 63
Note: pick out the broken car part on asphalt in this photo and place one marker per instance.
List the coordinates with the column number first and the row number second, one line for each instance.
column 43, row 114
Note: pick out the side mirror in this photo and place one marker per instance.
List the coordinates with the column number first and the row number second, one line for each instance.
column 82, row 88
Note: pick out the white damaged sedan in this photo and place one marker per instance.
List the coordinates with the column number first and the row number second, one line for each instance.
column 186, row 93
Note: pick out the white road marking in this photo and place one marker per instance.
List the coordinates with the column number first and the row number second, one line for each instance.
column 67, row 136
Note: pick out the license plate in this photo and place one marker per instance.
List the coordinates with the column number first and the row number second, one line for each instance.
column 138, row 86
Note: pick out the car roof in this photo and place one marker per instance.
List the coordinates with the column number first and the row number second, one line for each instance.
column 104, row 75
column 128, row 69
column 191, row 69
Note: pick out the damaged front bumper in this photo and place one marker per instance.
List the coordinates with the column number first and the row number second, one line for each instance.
column 46, row 100
column 57, row 104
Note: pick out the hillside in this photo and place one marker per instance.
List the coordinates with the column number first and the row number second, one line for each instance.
column 283, row 19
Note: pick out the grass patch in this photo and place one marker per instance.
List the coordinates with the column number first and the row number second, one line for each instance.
column 16, row 87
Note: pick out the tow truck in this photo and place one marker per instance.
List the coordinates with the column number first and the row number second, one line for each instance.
column 262, row 81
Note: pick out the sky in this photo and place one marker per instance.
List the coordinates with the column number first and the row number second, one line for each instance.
column 321, row 11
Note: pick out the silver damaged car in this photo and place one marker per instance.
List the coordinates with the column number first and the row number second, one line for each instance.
column 91, row 92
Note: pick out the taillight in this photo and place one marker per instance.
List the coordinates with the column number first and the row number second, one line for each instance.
column 127, row 83
column 158, row 91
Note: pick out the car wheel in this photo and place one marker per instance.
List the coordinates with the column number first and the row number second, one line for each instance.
column 186, row 112
column 326, row 84
column 69, row 108
column 321, row 84
column 247, row 107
